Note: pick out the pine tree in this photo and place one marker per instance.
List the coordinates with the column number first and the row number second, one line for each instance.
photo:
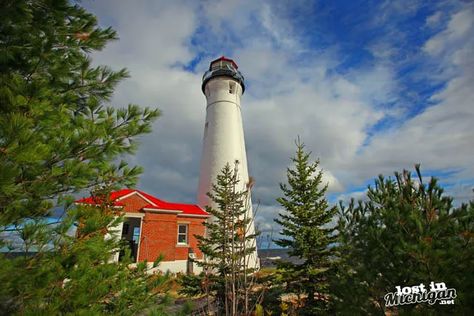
column 406, row 233
column 227, row 247
column 307, row 232
column 58, row 137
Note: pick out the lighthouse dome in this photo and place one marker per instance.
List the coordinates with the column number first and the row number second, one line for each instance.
column 223, row 67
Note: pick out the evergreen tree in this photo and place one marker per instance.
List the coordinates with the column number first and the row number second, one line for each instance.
column 58, row 137
column 227, row 247
column 406, row 233
column 307, row 232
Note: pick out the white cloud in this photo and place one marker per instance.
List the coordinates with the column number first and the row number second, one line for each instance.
column 441, row 137
column 434, row 19
column 459, row 26
column 345, row 198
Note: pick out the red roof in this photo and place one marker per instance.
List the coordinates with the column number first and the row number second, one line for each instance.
column 223, row 58
column 155, row 203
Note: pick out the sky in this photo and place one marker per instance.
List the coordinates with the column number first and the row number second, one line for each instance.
column 371, row 87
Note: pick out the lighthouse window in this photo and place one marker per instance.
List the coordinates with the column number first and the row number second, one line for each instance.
column 183, row 234
column 216, row 65
column 232, row 87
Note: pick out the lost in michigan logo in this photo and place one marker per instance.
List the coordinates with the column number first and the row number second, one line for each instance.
column 438, row 292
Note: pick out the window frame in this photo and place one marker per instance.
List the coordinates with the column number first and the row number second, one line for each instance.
column 186, row 242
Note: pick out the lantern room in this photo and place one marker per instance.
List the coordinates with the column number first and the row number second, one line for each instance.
column 223, row 67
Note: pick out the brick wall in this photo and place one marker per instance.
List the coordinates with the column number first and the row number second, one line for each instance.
column 133, row 203
column 159, row 235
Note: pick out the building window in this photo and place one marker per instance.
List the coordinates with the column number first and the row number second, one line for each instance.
column 232, row 87
column 183, row 234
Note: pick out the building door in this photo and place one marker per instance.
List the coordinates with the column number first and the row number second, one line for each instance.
column 131, row 236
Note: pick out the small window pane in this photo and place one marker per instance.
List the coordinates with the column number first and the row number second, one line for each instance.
column 136, row 234
column 182, row 234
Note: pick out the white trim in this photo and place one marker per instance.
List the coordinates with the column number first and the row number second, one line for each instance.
column 117, row 233
column 173, row 266
column 161, row 210
column 132, row 193
column 139, row 239
column 134, row 215
column 91, row 204
column 193, row 215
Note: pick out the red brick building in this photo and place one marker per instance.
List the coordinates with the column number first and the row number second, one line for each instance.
column 155, row 227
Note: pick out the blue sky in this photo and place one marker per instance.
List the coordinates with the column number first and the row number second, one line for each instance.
column 370, row 86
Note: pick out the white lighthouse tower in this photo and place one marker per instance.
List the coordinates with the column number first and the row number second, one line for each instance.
column 223, row 142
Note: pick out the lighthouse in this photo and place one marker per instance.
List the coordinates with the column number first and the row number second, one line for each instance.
column 223, row 141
